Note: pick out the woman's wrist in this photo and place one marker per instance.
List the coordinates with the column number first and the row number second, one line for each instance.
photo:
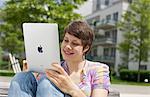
column 73, row 93
column 77, row 93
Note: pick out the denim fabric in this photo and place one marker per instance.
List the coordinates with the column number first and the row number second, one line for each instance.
column 24, row 84
column 46, row 88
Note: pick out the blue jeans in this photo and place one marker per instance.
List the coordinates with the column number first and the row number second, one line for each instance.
column 24, row 84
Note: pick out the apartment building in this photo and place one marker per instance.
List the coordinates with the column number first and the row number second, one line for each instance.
column 105, row 15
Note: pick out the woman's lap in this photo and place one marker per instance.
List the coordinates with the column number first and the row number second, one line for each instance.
column 24, row 84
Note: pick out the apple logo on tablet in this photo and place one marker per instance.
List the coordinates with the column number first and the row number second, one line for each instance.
column 40, row 49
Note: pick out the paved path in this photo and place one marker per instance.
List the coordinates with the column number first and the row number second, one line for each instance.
column 134, row 95
column 132, row 89
column 5, row 81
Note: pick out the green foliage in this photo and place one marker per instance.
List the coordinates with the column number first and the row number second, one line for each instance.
column 131, row 75
column 6, row 73
column 136, row 28
column 16, row 12
column 4, row 65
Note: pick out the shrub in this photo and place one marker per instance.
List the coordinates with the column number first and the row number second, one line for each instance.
column 131, row 75
column 6, row 73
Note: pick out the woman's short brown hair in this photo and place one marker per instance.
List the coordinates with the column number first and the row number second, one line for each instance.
column 81, row 30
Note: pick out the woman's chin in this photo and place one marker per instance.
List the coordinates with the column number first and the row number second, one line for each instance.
column 67, row 58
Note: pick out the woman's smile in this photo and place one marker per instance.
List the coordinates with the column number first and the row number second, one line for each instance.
column 67, row 52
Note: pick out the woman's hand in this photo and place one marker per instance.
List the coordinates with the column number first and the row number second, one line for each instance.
column 61, row 79
column 25, row 66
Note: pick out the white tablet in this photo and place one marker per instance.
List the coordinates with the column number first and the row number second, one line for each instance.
column 41, row 45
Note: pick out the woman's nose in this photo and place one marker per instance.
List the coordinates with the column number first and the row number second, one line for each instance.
column 68, row 46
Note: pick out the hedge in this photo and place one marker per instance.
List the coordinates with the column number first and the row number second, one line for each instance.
column 131, row 75
column 6, row 73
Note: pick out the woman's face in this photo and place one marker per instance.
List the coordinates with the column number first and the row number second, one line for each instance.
column 72, row 48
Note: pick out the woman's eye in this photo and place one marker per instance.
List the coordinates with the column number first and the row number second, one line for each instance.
column 65, row 40
column 75, row 44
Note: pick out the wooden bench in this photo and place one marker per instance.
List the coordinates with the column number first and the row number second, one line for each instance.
column 113, row 93
column 4, row 92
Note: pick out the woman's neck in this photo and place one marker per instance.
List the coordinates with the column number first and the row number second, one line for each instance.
column 75, row 66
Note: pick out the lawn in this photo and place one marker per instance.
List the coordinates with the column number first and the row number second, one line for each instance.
column 115, row 80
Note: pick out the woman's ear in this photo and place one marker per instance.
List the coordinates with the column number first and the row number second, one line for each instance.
column 86, row 49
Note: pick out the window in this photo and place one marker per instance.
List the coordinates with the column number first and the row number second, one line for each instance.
column 95, row 52
column 113, row 51
column 107, row 34
column 143, row 67
column 115, row 16
column 114, row 35
column 98, row 5
column 130, row 1
column 109, row 52
column 108, row 18
column 107, row 2
column 106, row 51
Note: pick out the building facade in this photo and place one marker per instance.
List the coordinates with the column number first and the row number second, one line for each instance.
column 105, row 15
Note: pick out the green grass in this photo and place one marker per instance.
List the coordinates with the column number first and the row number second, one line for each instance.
column 115, row 80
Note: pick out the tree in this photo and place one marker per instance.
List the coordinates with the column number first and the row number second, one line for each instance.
column 136, row 25
column 16, row 12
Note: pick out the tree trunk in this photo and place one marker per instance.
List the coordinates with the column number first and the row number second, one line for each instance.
column 138, row 76
column 140, row 57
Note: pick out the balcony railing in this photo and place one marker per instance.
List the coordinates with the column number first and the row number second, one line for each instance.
column 105, row 41
column 107, row 59
column 106, row 24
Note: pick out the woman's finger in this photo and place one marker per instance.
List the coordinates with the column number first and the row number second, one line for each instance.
column 25, row 65
column 53, row 79
column 59, row 68
column 58, row 77
column 53, row 73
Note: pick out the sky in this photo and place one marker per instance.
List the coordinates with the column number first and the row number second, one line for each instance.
column 1, row 2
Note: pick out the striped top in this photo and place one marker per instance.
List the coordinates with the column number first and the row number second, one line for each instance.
column 94, row 75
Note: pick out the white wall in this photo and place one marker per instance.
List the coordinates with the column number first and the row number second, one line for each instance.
column 85, row 9
column 135, row 65
column 118, row 7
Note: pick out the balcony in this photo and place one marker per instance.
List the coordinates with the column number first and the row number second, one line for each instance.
column 106, row 59
column 106, row 24
column 105, row 41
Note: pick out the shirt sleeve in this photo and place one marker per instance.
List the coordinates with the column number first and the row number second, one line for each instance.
column 101, row 79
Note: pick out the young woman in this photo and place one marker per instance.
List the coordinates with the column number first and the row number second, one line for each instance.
column 75, row 77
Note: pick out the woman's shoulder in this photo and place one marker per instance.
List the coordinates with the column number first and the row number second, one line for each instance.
column 91, row 65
